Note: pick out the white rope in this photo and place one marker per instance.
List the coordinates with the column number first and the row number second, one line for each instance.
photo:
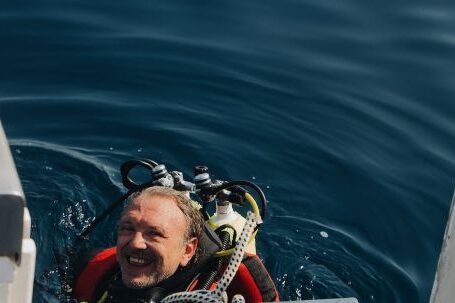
column 219, row 294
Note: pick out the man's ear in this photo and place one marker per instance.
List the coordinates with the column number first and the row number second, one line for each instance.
column 189, row 251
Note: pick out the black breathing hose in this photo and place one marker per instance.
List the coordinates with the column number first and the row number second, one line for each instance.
column 209, row 277
column 125, row 169
column 101, row 217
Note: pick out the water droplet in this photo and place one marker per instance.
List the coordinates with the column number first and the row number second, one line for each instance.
column 18, row 151
column 48, row 167
column 139, row 150
column 254, row 178
column 267, row 187
column 111, row 148
column 324, row 234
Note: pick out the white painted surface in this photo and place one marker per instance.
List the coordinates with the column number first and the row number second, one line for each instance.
column 444, row 282
column 16, row 282
column 6, row 270
column 8, row 175
column 27, row 224
column 5, row 293
column 22, row 288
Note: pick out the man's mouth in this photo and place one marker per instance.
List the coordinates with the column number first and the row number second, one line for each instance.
column 138, row 261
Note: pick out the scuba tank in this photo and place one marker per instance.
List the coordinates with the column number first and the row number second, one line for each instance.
column 226, row 215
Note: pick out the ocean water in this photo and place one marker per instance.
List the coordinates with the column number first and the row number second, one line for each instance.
column 342, row 111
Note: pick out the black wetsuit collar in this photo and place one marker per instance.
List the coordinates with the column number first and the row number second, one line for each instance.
column 118, row 292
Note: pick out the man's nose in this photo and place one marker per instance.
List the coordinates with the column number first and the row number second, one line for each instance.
column 138, row 241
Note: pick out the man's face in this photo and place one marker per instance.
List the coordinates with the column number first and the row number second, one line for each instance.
column 151, row 241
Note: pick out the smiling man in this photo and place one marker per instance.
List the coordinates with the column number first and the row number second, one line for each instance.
column 159, row 232
column 163, row 247
column 159, row 251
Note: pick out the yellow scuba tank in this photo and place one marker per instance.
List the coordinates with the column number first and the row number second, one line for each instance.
column 226, row 215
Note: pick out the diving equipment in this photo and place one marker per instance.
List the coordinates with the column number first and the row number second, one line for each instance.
column 225, row 222
column 225, row 215
column 204, row 189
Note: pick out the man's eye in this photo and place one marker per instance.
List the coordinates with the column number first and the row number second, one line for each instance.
column 126, row 228
column 153, row 233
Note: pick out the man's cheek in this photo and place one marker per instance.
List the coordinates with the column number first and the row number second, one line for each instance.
column 121, row 241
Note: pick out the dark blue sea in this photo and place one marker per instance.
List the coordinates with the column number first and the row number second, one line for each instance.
column 342, row 111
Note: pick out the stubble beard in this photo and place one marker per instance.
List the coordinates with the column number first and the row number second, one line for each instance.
column 150, row 281
column 154, row 274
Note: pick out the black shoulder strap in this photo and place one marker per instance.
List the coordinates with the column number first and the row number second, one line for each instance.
column 210, row 244
column 261, row 278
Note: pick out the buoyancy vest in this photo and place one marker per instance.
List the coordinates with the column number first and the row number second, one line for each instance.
column 98, row 270
column 252, row 280
column 95, row 277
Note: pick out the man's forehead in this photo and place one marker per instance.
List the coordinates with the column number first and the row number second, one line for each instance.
column 159, row 213
column 152, row 203
column 147, row 200
column 153, row 197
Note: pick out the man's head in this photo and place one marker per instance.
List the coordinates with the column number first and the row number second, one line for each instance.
column 159, row 230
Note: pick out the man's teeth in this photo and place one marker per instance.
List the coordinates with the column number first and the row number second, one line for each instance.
column 136, row 260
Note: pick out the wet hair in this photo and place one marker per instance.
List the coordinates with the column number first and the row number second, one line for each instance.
column 193, row 217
